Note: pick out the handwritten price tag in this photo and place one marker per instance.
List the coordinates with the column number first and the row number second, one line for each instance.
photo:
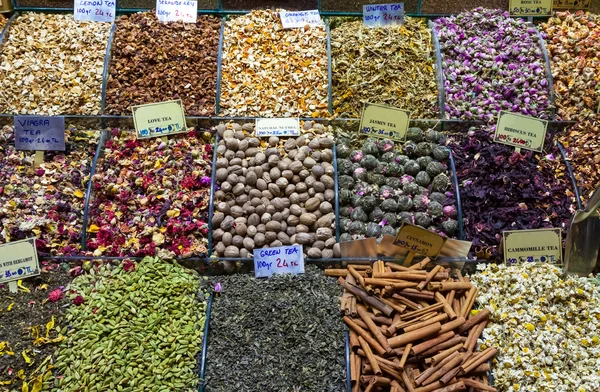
column 383, row 121
column 18, row 260
column 282, row 260
column 159, row 119
column 266, row 127
column 39, row 133
column 419, row 240
column 532, row 246
column 94, row 10
column 177, row 10
column 298, row 19
column 521, row 131
column 530, row 7
column 377, row 15
column 572, row 4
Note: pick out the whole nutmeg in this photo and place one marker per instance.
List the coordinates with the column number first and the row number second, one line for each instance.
column 303, row 238
column 308, row 219
column 337, row 252
column 277, row 203
column 311, row 192
column 251, row 152
column 251, row 232
column 312, row 204
column 273, row 141
column 227, row 223
column 291, row 230
column 314, row 144
column 260, row 158
column 287, row 174
column 241, row 219
column 259, row 240
column 238, row 189
column 285, row 213
column 218, row 234
column 319, row 244
column 229, row 154
column 327, row 181
column 235, row 162
column 232, row 144
column 275, row 244
column 303, row 197
column 251, row 178
column 295, row 209
column 261, row 184
column 301, row 187
column 283, row 237
column 300, row 141
column 325, row 220
column 267, row 177
column 302, row 228
column 282, row 182
column 261, row 228
column 265, row 218
column 329, row 242
column 314, row 253
column 273, row 160
column 296, row 179
column 277, row 217
column 220, row 248
column 329, row 195
column 296, row 167
column 242, row 200
column 304, row 174
column 254, row 142
column 261, row 209
column 227, row 238
column 231, row 251
column 222, row 173
column 267, row 195
column 318, row 214
column 273, row 225
column 255, row 193
column 244, row 253
column 291, row 188
column 294, row 198
column 324, row 234
column 248, row 244
column 221, row 150
column 317, row 171
column 217, row 218
column 325, row 207
column 309, row 162
column 271, row 209
column 316, row 155
column 274, row 189
column 243, row 146
column 325, row 142
column 254, row 219
column 292, row 220
column 292, row 154
column 238, row 241
column 270, row 236
column 326, row 156
column 238, row 134
column 221, row 163
column 310, row 181
column 241, row 229
column 289, row 145
column 327, row 254
column 275, row 173
column 237, row 211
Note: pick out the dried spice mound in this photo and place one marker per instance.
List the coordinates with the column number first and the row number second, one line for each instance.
column 389, row 65
column 151, row 197
column 153, row 61
column 46, row 202
column 572, row 42
column 278, row 334
column 384, row 184
column 140, row 326
column 492, row 62
column 51, row 64
column 271, row 71
column 501, row 189
column 545, row 327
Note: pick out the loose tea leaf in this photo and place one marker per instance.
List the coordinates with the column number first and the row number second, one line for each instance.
column 389, row 65
column 278, row 334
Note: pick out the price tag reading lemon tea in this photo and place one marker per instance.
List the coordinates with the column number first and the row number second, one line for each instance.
column 383, row 121
column 520, row 131
column 419, row 240
column 159, row 119
column 530, row 7
column 266, row 127
column 532, row 246
column 18, row 260
column 281, row 260
column 94, row 10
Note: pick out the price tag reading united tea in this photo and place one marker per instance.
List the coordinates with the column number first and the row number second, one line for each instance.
column 521, row 131
column 571, row 4
column 39, row 133
column 298, row 19
column 532, row 246
column 177, row 10
column 94, row 10
column 419, row 240
column 377, row 15
column 18, row 260
column 159, row 119
column 383, row 121
column 281, row 260
column 530, row 7
column 266, row 127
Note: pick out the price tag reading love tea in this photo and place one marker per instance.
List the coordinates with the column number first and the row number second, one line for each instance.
column 94, row 10
column 532, row 246
column 159, row 119
column 281, row 260
column 266, row 127
column 377, row 15
column 39, row 133
column 177, row 10
column 530, row 7
column 383, row 121
column 18, row 260
column 520, row 131
column 419, row 240
column 571, row 4
column 298, row 19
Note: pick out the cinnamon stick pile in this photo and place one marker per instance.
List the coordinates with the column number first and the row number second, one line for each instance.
column 412, row 329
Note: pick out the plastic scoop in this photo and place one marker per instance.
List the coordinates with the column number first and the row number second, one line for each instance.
column 583, row 239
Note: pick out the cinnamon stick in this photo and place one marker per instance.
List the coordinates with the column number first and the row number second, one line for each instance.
column 424, row 293
column 408, row 382
column 426, row 345
column 479, row 317
column 447, row 286
column 405, row 356
column 354, row 345
column 484, row 357
column 421, row 311
column 410, row 275
column 450, row 375
column 370, row 357
column 406, row 301
column 454, row 362
column 396, row 267
column 468, row 303
column 444, row 354
column 478, row 385
column 410, row 337
column 452, row 325
column 364, row 315
column 477, row 331
column 335, row 272
column 459, row 386
column 433, row 369
column 365, row 335
column 445, row 345
column 359, row 266
column 353, row 371
column 447, row 308
column 420, row 265
column 429, row 277
column 369, row 299
column 439, row 318
column 396, row 385
column 396, row 307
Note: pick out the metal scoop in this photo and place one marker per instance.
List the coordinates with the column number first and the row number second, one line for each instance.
column 583, row 239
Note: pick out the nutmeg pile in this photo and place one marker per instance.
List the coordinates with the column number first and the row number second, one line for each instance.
column 274, row 193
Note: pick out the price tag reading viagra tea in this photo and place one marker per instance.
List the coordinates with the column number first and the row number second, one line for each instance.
column 94, row 10
column 530, row 7
column 521, row 131
column 39, row 133
column 177, row 10
column 298, row 19
column 532, row 246
column 18, row 260
column 159, row 119
column 266, row 127
column 281, row 260
column 419, row 240
column 377, row 15
column 383, row 121
column 571, row 4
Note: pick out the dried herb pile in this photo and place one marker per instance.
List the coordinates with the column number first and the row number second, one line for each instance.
column 151, row 197
column 51, row 64
column 501, row 189
column 46, row 202
column 137, row 326
column 270, row 71
column 384, row 183
column 455, row 7
column 545, row 327
column 492, row 62
column 153, row 61
column 389, row 65
column 572, row 44
column 278, row 334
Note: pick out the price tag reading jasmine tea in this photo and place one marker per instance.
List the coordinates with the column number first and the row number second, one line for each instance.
column 530, row 7
column 419, row 240
column 532, row 246
column 159, row 119
column 281, row 260
column 39, row 133
column 266, row 127
column 521, row 131
column 377, row 15
column 298, row 19
column 177, row 10
column 383, row 121
column 94, row 10
column 18, row 260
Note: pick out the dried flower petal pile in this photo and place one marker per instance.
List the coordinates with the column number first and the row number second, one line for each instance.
column 52, row 64
column 389, row 65
column 46, row 202
column 547, row 328
column 151, row 197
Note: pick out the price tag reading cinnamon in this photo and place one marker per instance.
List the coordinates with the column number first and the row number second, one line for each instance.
column 159, row 119
column 419, row 240
column 281, row 260
column 532, row 246
column 384, row 121
column 521, row 131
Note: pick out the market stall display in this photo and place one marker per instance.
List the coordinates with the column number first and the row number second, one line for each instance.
column 51, row 64
column 46, row 202
column 153, row 62
column 545, row 327
column 387, row 65
column 151, row 197
column 270, row 71
column 281, row 333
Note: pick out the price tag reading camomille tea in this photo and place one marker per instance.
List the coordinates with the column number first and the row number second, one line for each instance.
column 377, row 15
column 281, row 260
column 18, row 260
column 383, row 121
column 266, row 127
column 419, row 240
column 159, row 119
column 532, row 246
column 521, row 131
column 530, row 7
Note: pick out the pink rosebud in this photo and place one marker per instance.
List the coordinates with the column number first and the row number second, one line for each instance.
column 78, row 300
column 358, row 156
column 55, row 295
column 129, row 266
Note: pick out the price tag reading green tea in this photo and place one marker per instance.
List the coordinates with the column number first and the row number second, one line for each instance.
column 159, row 119
column 266, row 127
column 532, row 246
column 530, row 7
column 383, row 121
column 571, row 4
column 419, row 240
column 18, row 260
column 521, row 131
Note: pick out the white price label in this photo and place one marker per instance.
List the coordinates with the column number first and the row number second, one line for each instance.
column 281, row 260
column 18, row 260
column 298, row 19
column 266, row 127
column 177, row 10
column 94, row 10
